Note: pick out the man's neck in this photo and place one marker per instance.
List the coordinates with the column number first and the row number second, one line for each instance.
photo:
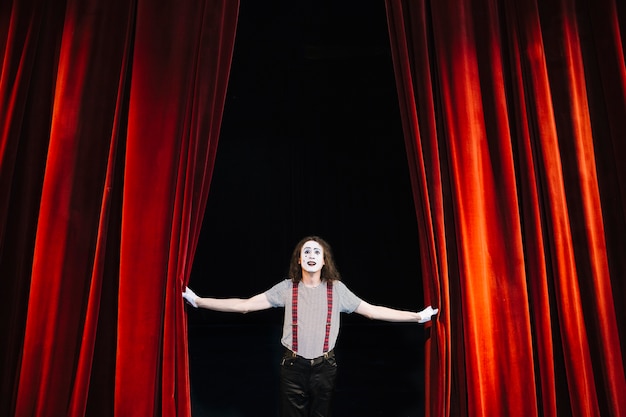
column 311, row 279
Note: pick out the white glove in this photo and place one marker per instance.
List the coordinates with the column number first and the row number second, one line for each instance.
column 190, row 297
column 426, row 314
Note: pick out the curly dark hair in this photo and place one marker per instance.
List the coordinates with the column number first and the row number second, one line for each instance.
column 329, row 270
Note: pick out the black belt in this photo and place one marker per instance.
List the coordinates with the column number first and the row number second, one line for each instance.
column 289, row 354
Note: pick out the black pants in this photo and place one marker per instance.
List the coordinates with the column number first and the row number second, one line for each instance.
column 306, row 389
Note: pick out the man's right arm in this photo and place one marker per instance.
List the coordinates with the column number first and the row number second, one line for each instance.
column 231, row 305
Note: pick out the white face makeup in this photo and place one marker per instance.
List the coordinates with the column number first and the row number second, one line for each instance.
column 312, row 256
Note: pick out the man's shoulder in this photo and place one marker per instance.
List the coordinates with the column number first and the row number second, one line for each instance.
column 340, row 285
column 281, row 285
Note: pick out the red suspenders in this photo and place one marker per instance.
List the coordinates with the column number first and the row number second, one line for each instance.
column 294, row 315
column 329, row 314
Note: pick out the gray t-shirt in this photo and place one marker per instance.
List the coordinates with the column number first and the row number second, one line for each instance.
column 312, row 313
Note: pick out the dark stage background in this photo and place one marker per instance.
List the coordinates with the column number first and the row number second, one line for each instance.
column 311, row 143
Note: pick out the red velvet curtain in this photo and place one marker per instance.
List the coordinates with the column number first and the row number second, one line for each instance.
column 110, row 116
column 514, row 115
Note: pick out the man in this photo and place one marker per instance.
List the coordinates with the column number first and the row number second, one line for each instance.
column 313, row 298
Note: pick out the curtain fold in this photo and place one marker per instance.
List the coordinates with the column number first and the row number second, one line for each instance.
column 110, row 122
column 512, row 140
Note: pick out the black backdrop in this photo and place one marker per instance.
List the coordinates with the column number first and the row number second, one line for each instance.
column 311, row 143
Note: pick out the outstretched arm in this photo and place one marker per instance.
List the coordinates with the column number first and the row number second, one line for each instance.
column 231, row 305
column 375, row 312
